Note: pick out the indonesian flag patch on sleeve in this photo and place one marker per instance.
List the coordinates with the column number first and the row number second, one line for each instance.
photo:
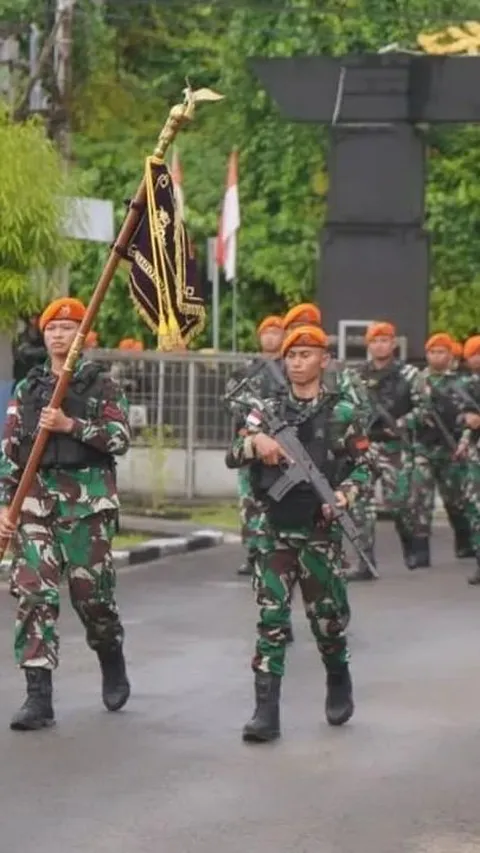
column 254, row 419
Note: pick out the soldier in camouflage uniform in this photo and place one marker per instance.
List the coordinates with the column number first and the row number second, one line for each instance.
column 299, row 542
column 389, row 382
column 445, row 450
column 68, row 518
column 270, row 334
column 470, row 378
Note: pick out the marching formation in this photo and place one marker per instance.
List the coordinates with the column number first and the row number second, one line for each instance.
column 311, row 443
column 384, row 423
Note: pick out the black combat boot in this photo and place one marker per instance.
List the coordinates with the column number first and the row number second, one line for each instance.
column 248, row 567
column 339, row 705
column 265, row 723
column 420, row 553
column 37, row 710
column 474, row 580
column 362, row 572
column 461, row 532
column 115, row 684
column 463, row 543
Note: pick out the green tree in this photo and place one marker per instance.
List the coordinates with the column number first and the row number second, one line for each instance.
column 33, row 188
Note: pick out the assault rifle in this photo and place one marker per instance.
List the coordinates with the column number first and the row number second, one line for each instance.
column 299, row 466
column 381, row 413
column 434, row 415
column 469, row 403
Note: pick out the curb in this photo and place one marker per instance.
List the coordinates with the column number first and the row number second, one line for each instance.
column 158, row 548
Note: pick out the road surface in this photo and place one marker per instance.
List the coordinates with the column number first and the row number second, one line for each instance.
column 171, row 775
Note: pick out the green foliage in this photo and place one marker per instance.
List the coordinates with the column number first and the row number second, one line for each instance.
column 130, row 64
column 32, row 197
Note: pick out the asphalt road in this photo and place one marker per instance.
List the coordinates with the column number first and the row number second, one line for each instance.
column 170, row 774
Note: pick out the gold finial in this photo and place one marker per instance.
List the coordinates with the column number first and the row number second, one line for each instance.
column 180, row 114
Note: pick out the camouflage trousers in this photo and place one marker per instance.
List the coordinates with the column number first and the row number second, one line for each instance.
column 458, row 482
column 250, row 511
column 45, row 551
column 313, row 560
column 393, row 469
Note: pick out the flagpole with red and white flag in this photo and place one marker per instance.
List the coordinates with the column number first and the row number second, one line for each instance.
column 227, row 236
column 177, row 181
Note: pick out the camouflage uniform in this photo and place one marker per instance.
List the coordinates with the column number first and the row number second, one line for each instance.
column 65, row 530
column 457, row 480
column 310, row 554
column 391, row 461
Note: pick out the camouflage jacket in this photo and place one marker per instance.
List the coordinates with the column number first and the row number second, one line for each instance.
column 261, row 384
column 364, row 382
column 425, row 383
column 69, row 493
column 344, row 428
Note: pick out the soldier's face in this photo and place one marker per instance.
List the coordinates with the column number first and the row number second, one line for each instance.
column 382, row 347
column 474, row 362
column 439, row 358
column 305, row 364
column 59, row 336
column 271, row 339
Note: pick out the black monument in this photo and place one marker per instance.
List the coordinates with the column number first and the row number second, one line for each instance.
column 374, row 246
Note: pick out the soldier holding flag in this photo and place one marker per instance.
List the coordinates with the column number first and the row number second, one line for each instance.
column 68, row 517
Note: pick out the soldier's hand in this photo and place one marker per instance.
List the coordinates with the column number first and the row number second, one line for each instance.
column 340, row 503
column 7, row 529
column 55, row 420
column 461, row 451
column 267, row 449
column 472, row 420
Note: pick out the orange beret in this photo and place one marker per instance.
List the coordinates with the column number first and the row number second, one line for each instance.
column 380, row 330
column 305, row 336
column 457, row 349
column 304, row 313
column 64, row 308
column 270, row 322
column 130, row 344
column 472, row 346
column 441, row 339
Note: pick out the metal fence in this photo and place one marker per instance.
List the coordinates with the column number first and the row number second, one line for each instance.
column 180, row 396
column 177, row 396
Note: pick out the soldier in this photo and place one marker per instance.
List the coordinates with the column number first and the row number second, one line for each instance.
column 443, row 442
column 471, row 355
column 471, row 382
column 68, row 518
column 270, row 336
column 389, row 382
column 302, row 314
column 28, row 349
column 299, row 542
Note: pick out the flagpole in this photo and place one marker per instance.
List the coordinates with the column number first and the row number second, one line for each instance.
column 214, row 279
column 234, row 314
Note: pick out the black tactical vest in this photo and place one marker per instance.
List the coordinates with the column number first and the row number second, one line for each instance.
column 389, row 387
column 301, row 505
column 448, row 408
column 81, row 401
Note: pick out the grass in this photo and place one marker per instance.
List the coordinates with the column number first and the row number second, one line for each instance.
column 124, row 541
column 217, row 515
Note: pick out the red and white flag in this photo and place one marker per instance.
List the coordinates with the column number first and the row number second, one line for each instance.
column 229, row 222
column 177, row 181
